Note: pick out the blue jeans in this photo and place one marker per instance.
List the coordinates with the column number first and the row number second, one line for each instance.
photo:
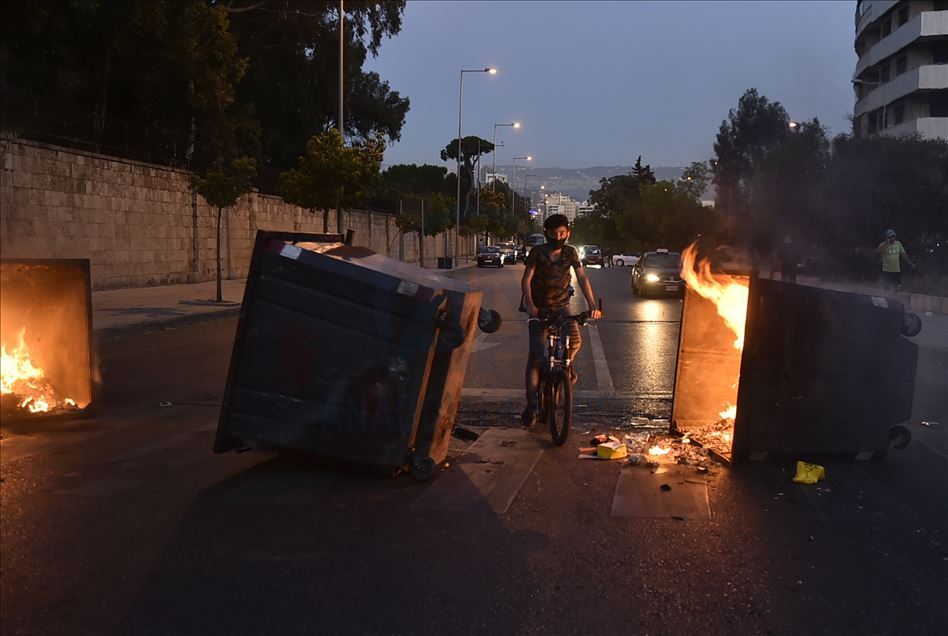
column 538, row 340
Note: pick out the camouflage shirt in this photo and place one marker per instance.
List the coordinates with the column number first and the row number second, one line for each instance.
column 550, row 283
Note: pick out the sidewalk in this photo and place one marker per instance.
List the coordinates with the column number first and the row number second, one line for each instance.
column 140, row 309
column 919, row 303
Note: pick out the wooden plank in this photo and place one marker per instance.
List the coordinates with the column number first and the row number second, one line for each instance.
column 487, row 477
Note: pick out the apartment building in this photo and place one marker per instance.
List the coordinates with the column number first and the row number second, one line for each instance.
column 584, row 208
column 558, row 203
column 901, row 78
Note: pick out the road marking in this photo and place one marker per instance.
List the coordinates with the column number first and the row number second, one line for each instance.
column 603, row 379
column 518, row 394
column 480, row 345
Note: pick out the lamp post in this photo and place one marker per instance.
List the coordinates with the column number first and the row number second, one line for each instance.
column 457, row 220
column 513, row 180
column 493, row 153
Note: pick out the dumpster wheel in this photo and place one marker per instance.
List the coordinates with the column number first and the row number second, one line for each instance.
column 489, row 320
column 421, row 467
column 911, row 325
column 899, row 437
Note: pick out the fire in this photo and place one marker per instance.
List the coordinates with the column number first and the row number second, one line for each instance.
column 658, row 450
column 21, row 377
column 729, row 413
column 727, row 293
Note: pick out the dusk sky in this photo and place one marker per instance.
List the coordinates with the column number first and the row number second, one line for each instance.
column 599, row 83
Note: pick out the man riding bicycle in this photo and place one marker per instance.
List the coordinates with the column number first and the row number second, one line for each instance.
column 545, row 286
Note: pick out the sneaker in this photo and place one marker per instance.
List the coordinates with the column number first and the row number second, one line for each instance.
column 529, row 416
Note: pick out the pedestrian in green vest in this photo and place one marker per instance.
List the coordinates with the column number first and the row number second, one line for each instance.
column 892, row 253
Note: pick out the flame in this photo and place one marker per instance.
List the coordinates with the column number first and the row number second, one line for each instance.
column 21, row 377
column 729, row 413
column 658, row 450
column 728, row 293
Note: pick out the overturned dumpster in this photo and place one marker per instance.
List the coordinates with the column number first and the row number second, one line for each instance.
column 769, row 369
column 347, row 354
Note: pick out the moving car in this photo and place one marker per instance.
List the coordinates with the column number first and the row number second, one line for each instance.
column 627, row 259
column 510, row 251
column 489, row 255
column 590, row 255
column 657, row 272
column 532, row 241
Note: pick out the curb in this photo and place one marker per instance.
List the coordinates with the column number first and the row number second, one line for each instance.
column 160, row 324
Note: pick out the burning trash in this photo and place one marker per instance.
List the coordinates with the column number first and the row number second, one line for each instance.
column 45, row 338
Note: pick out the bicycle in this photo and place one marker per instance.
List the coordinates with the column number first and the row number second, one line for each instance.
column 555, row 391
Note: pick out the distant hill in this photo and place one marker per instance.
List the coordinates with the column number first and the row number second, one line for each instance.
column 577, row 182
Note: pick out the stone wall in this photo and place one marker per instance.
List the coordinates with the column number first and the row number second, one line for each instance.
column 139, row 224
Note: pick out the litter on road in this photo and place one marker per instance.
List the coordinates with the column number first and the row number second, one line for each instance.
column 808, row 473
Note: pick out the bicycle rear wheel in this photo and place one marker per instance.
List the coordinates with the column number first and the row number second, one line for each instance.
column 559, row 406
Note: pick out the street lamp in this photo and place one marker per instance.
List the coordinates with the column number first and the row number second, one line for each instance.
column 457, row 220
column 493, row 154
column 513, row 180
column 793, row 125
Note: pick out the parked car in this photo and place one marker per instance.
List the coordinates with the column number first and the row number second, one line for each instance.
column 489, row 255
column 627, row 259
column 590, row 255
column 657, row 272
column 510, row 251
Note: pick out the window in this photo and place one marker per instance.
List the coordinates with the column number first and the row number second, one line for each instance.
column 938, row 106
column 901, row 62
column 903, row 15
column 898, row 114
column 940, row 53
column 884, row 74
column 886, row 26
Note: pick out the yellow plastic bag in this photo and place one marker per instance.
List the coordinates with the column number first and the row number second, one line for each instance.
column 809, row 473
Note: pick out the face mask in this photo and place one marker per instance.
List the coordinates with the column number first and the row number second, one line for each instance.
column 555, row 243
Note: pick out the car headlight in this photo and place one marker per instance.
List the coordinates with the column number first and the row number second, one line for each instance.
column 652, row 278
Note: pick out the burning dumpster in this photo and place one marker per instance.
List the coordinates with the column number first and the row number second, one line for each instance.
column 347, row 354
column 45, row 338
column 772, row 369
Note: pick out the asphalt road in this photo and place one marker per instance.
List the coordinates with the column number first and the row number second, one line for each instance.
column 127, row 523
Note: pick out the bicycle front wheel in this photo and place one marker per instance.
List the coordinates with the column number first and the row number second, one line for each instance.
column 559, row 406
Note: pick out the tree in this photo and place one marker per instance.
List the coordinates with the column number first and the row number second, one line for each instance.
column 186, row 81
column 873, row 184
column 471, row 149
column 292, row 81
column 410, row 180
column 742, row 141
column 332, row 174
column 694, row 180
column 424, row 188
column 221, row 185
column 642, row 174
column 667, row 216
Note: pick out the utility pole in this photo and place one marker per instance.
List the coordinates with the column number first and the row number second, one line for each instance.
column 342, row 35
column 340, row 213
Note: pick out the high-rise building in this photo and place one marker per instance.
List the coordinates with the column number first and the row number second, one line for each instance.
column 901, row 78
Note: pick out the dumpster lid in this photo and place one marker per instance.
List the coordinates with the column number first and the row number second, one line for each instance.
column 365, row 257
